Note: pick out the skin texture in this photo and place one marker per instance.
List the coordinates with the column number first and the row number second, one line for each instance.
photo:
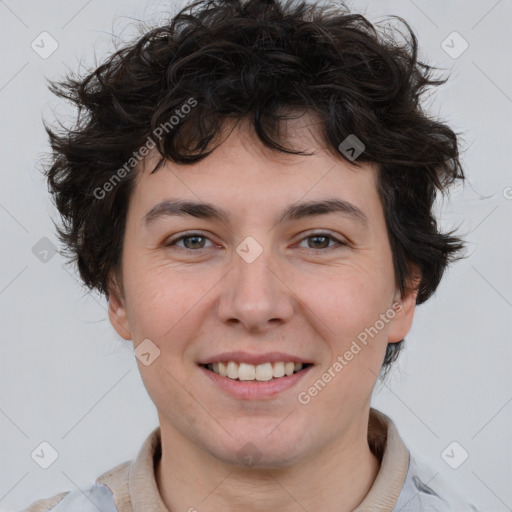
column 304, row 296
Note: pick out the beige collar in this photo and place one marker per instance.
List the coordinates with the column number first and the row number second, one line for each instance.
column 135, row 490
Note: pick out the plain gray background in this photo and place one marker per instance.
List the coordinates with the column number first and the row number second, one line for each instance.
column 68, row 379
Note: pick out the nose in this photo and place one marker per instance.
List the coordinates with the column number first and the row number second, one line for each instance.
column 256, row 295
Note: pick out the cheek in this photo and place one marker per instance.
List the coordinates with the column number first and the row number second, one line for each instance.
column 349, row 304
column 157, row 307
column 157, row 300
column 351, row 298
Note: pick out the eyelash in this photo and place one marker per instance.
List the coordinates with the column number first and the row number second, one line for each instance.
column 311, row 235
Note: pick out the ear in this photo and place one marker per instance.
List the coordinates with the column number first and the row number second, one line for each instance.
column 404, row 306
column 117, row 311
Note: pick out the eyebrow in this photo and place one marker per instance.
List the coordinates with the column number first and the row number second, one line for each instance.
column 294, row 211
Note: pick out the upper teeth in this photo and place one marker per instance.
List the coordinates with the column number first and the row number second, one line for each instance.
column 262, row 372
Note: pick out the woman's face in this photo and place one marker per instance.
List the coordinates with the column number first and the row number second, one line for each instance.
column 262, row 286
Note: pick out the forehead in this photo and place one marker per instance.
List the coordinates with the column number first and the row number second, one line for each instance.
column 244, row 175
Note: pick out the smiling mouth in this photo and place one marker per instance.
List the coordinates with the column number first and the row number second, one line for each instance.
column 250, row 372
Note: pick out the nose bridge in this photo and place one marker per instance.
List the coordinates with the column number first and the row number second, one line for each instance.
column 253, row 294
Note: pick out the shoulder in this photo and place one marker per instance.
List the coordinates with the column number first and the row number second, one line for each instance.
column 108, row 489
column 89, row 500
column 422, row 491
column 45, row 504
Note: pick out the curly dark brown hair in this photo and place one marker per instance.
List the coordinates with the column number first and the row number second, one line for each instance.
column 258, row 60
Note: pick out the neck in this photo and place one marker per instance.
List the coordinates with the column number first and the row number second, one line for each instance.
column 335, row 479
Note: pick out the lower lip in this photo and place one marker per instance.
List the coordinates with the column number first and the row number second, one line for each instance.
column 253, row 389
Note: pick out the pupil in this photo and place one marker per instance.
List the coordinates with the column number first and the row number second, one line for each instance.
column 191, row 238
column 325, row 238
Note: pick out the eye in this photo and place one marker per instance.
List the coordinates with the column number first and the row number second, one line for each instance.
column 321, row 239
column 196, row 241
column 192, row 241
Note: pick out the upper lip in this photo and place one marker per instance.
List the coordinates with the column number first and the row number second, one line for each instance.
column 251, row 358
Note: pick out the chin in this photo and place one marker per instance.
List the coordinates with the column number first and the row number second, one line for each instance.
column 256, row 449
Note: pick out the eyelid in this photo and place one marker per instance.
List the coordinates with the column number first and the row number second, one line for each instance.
column 186, row 234
column 339, row 240
column 319, row 232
